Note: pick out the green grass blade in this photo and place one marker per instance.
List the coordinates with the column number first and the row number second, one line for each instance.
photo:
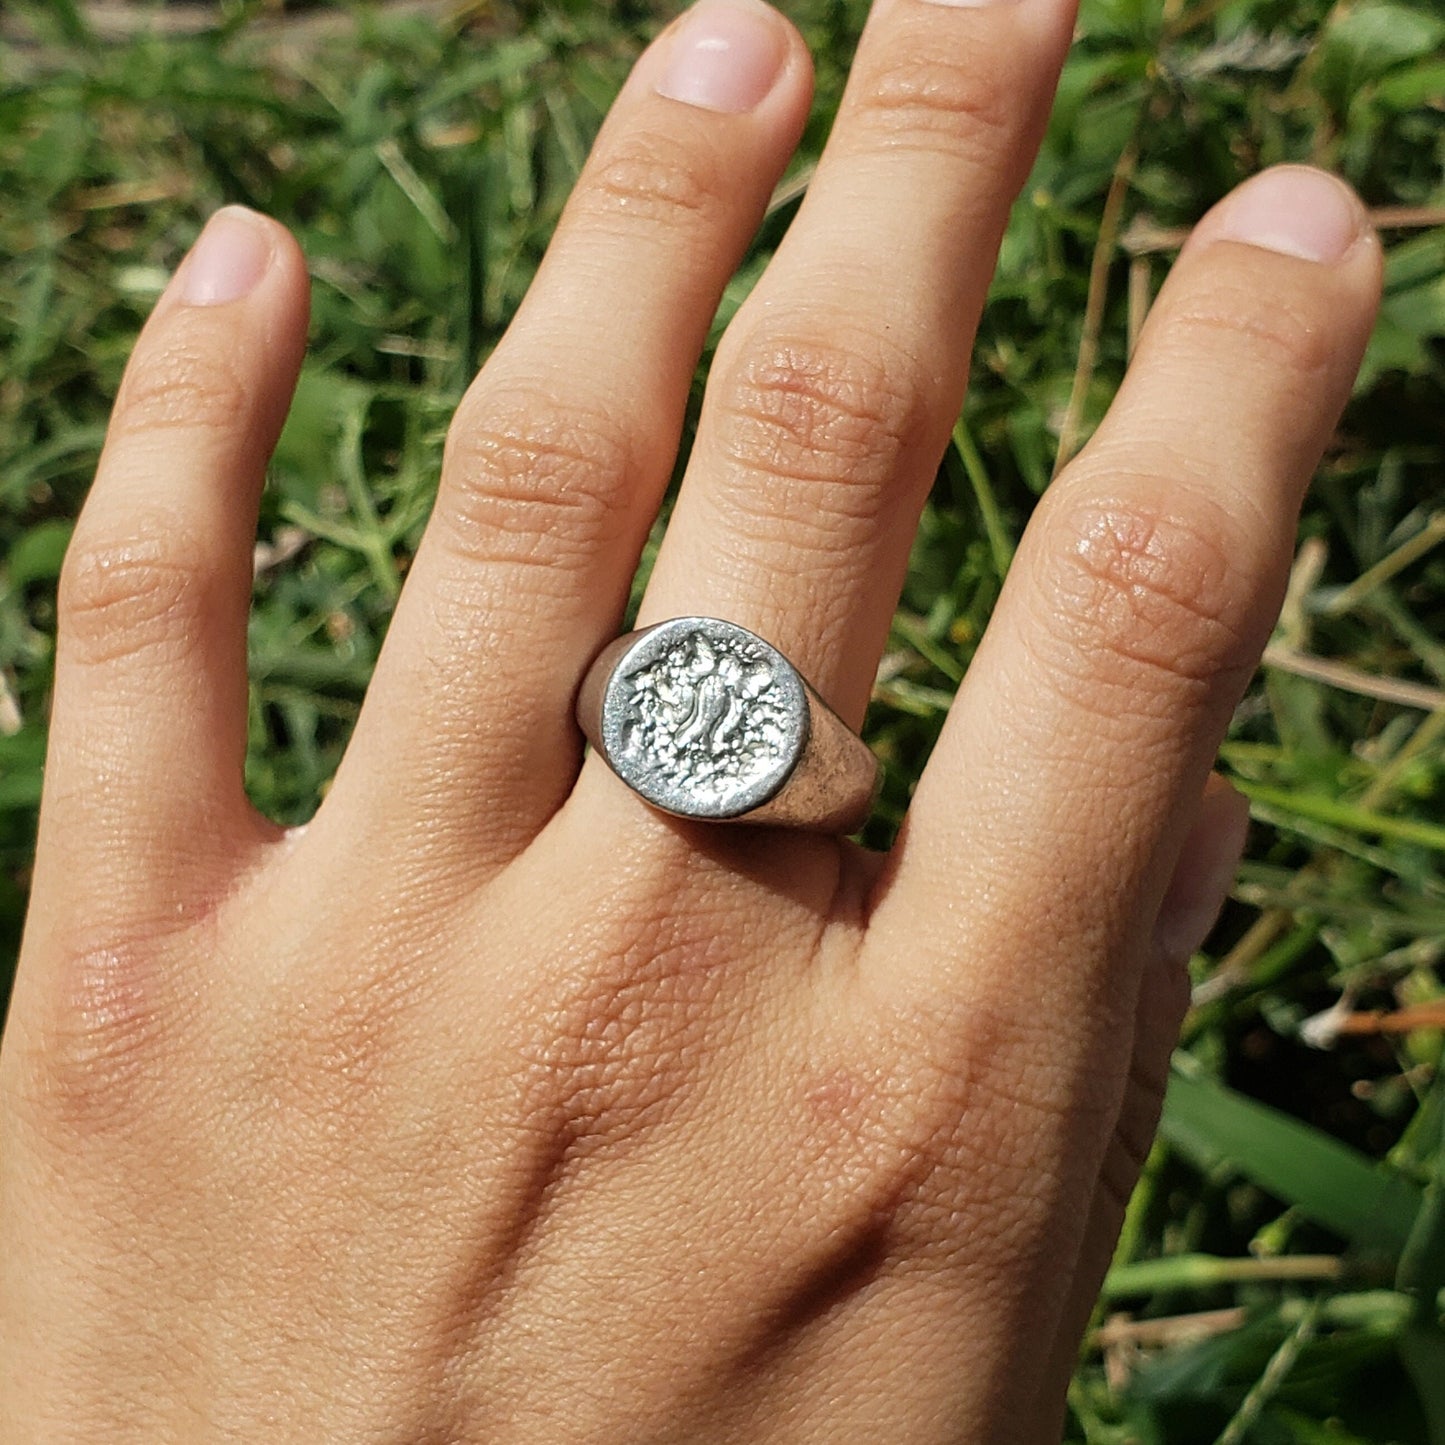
column 1371, row 1205
column 1422, row 1274
column 1422, row 1349
column 1347, row 815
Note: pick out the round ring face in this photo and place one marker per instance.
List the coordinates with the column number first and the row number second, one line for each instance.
column 704, row 718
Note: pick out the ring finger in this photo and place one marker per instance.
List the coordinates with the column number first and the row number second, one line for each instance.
column 835, row 388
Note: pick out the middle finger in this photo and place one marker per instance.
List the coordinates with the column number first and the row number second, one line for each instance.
column 563, row 446
column 835, row 388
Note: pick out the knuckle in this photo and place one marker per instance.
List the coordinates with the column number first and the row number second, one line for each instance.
column 122, row 596
column 603, row 1075
column 989, row 1085
column 610, row 1052
column 99, row 1055
column 187, row 380
column 1229, row 310
column 1126, row 582
column 987, row 1106
column 652, row 176
column 337, row 1027
column 335, row 1049
column 611, row 1068
column 836, row 420
column 934, row 103
column 996, row 1106
column 530, row 482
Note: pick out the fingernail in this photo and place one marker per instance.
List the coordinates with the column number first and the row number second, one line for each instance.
column 228, row 260
column 1205, row 871
column 1293, row 210
column 725, row 56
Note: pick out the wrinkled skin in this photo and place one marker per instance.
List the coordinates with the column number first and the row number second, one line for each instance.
column 493, row 1106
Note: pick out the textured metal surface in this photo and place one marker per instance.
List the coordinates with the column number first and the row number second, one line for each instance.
column 703, row 718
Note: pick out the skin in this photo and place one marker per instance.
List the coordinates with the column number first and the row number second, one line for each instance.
column 493, row 1106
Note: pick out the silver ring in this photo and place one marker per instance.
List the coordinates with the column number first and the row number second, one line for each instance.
column 703, row 719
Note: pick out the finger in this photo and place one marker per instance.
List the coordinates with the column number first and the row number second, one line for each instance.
column 1197, row 890
column 1135, row 614
column 1204, row 869
column 560, row 452
column 1162, row 1001
column 1000, row 1162
column 144, row 789
column 832, row 396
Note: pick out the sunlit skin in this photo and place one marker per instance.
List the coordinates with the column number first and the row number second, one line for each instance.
column 494, row 1106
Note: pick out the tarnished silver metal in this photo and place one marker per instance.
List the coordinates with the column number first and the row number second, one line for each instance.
column 706, row 720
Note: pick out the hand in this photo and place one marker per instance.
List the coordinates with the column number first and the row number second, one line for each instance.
column 493, row 1106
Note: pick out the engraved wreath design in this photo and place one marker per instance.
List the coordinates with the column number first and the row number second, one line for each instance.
column 706, row 716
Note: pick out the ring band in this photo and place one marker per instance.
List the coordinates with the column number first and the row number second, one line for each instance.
column 704, row 719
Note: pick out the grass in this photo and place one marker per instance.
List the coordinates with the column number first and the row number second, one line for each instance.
column 1280, row 1275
